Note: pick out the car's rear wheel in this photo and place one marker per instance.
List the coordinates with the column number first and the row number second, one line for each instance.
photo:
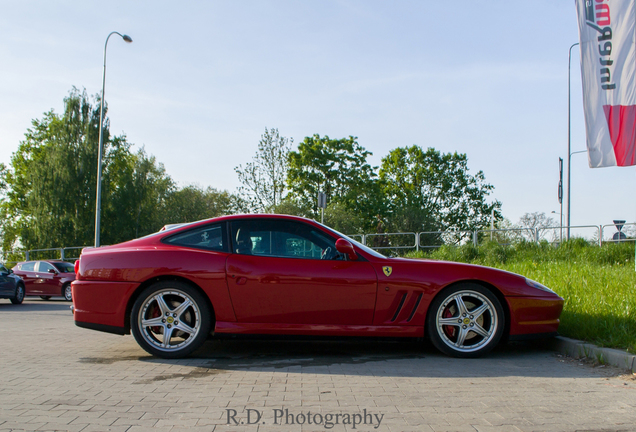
column 170, row 319
column 18, row 298
column 465, row 320
column 45, row 297
column 67, row 292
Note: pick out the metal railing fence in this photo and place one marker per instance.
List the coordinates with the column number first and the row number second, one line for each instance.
column 70, row 253
column 596, row 234
column 426, row 240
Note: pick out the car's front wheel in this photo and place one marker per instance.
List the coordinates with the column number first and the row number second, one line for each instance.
column 18, row 297
column 170, row 319
column 465, row 320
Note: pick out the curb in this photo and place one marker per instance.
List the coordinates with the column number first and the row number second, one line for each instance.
column 579, row 349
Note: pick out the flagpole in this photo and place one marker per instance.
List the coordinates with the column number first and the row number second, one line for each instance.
column 569, row 138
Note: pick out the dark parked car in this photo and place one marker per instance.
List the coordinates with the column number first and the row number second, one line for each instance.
column 46, row 278
column 11, row 286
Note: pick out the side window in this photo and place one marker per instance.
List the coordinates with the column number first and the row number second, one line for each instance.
column 207, row 237
column 282, row 238
column 30, row 266
column 44, row 267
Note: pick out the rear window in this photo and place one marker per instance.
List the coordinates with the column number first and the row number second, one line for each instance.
column 64, row 267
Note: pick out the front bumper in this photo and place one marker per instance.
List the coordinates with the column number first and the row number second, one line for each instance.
column 534, row 315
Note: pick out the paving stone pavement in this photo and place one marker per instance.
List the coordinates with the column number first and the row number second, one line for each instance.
column 58, row 377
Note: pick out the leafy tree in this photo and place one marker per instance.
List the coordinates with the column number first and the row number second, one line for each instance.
column 431, row 191
column 264, row 178
column 290, row 206
column 137, row 188
column 193, row 203
column 340, row 218
column 51, row 184
column 339, row 168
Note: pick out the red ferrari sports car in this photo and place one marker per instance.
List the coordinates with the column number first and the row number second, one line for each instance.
column 283, row 275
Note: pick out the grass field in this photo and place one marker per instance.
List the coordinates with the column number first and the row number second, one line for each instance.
column 597, row 283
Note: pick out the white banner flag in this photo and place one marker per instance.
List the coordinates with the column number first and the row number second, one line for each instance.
column 608, row 69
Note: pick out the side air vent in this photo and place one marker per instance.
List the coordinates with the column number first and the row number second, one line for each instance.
column 399, row 308
column 417, row 303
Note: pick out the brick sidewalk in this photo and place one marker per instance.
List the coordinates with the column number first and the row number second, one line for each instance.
column 56, row 376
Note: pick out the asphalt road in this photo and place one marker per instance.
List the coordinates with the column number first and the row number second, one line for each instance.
column 56, row 376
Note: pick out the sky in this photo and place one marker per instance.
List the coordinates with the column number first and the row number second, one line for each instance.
column 203, row 79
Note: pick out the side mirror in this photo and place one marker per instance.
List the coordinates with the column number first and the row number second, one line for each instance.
column 52, row 271
column 345, row 247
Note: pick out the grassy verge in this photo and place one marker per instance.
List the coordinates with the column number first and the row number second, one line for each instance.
column 597, row 283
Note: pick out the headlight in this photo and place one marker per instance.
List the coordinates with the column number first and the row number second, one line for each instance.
column 537, row 285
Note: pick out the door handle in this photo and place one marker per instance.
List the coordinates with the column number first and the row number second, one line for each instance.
column 241, row 281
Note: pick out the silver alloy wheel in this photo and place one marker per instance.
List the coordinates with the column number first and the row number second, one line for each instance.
column 467, row 321
column 169, row 320
column 68, row 293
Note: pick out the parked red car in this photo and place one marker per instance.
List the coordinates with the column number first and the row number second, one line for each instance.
column 46, row 278
column 282, row 275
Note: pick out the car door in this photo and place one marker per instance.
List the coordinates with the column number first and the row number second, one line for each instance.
column 289, row 272
column 47, row 279
column 29, row 276
column 6, row 283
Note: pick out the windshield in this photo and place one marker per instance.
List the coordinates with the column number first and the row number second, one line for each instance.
column 359, row 245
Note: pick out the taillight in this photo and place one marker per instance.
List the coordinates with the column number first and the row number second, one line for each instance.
column 76, row 267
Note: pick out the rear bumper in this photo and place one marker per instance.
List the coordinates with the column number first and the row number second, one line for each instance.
column 534, row 316
column 102, row 305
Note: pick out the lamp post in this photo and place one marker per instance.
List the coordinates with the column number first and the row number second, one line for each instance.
column 569, row 159
column 569, row 136
column 98, row 204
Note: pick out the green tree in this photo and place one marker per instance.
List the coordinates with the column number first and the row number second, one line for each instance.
column 51, row 184
column 340, row 218
column 431, row 191
column 263, row 179
column 339, row 168
column 137, row 188
column 193, row 203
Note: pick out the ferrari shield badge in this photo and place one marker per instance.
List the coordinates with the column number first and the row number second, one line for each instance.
column 387, row 270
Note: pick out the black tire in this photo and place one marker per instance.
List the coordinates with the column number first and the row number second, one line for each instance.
column 45, row 297
column 465, row 320
column 159, row 309
column 18, row 297
column 67, row 293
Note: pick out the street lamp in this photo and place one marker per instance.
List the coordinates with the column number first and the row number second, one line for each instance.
column 569, row 137
column 569, row 160
column 98, row 204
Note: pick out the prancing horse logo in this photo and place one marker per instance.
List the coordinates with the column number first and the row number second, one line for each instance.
column 387, row 270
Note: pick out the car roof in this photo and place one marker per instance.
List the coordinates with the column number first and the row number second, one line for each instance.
column 171, row 229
